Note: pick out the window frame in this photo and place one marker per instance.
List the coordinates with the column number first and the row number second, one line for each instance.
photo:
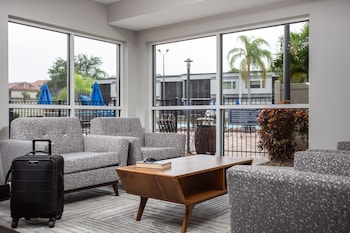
column 70, row 68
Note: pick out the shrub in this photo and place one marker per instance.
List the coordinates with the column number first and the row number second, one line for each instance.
column 278, row 129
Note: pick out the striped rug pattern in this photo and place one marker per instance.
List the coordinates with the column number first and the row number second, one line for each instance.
column 99, row 211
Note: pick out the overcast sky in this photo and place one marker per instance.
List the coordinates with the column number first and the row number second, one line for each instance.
column 33, row 51
column 203, row 51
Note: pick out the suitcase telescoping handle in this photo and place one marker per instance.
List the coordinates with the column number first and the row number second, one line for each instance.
column 42, row 140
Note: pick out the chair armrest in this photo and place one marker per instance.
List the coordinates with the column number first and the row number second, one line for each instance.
column 276, row 200
column 323, row 161
column 102, row 143
column 12, row 148
column 165, row 140
column 343, row 145
column 134, row 153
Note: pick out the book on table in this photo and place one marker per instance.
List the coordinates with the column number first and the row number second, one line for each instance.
column 156, row 164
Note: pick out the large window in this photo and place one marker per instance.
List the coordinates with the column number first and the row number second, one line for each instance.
column 39, row 56
column 256, row 56
column 252, row 72
column 171, row 72
column 58, row 73
column 95, row 61
column 33, row 53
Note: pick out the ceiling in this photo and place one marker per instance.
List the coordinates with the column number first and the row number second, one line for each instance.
column 145, row 14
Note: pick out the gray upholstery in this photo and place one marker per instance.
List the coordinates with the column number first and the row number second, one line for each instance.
column 65, row 133
column 343, row 145
column 307, row 199
column 88, row 160
column 142, row 145
column 323, row 161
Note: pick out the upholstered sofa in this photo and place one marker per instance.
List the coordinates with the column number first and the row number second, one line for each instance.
column 343, row 145
column 142, row 145
column 89, row 161
column 312, row 197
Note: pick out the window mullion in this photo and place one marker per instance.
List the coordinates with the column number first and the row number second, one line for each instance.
column 70, row 73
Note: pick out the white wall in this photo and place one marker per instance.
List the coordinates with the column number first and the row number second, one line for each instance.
column 329, row 59
column 80, row 16
column 329, row 73
column 3, row 72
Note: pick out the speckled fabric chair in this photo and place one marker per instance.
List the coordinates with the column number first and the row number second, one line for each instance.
column 142, row 145
column 331, row 162
column 312, row 197
column 89, row 161
column 343, row 145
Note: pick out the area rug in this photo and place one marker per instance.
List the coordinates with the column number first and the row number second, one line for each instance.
column 99, row 211
column 7, row 230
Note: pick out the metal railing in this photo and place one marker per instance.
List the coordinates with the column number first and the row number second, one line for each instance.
column 240, row 136
column 239, row 140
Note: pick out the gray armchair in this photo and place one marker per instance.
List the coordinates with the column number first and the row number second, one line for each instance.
column 142, row 145
column 312, row 197
column 89, row 161
column 343, row 145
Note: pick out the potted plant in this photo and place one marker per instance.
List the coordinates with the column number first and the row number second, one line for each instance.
column 279, row 129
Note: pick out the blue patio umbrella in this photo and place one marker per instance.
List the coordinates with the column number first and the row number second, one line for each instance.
column 45, row 96
column 96, row 96
column 97, row 99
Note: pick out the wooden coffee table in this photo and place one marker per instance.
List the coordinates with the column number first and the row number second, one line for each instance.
column 190, row 180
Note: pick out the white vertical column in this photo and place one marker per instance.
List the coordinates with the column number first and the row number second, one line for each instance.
column 70, row 88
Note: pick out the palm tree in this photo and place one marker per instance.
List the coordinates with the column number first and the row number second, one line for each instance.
column 251, row 58
column 82, row 85
column 299, row 56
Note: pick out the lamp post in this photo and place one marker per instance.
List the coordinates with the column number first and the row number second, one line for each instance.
column 163, row 54
column 188, row 102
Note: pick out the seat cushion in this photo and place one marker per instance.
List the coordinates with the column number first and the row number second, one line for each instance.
column 84, row 161
column 160, row 153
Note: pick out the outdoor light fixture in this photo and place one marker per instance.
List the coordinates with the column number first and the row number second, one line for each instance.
column 163, row 54
column 188, row 102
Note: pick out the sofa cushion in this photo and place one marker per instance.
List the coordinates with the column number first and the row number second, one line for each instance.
column 84, row 161
column 159, row 152
column 118, row 126
column 64, row 132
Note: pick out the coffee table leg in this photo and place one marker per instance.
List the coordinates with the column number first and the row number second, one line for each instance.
column 143, row 202
column 189, row 209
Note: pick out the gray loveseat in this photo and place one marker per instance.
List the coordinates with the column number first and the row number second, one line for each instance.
column 142, row 145
column 312, row 197
column 89, row 161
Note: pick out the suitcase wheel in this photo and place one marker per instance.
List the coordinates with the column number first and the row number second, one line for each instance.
column 52, row 222
column 58, row 217
column 14, row 223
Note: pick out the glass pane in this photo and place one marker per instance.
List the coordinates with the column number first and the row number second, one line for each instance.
column 36, row 56
column 255, row 57
column 95, row 61
column 171, row 72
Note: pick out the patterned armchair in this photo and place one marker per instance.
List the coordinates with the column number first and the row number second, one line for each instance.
column 343, row 145
column 89, row 161
column 142, row 145
column 312, row 197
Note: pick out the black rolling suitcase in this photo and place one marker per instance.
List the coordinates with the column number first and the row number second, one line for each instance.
column 37, row 186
